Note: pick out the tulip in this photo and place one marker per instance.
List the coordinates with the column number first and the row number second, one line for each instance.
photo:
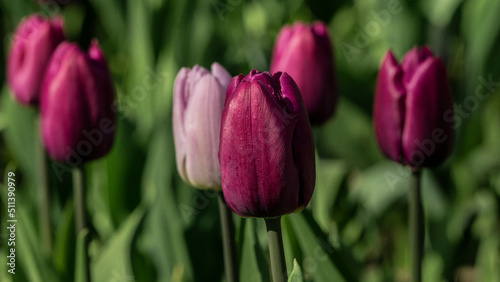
column 77, row 118
column 266, row 148
column 305, row 53
column 34, row 42
column 197, row 110
column 410, row 102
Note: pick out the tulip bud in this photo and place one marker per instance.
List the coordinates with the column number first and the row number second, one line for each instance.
column 197, row 110
column 410, row 102
column 33, row 43
column 78, row 121
column 266, row 148
column 305, row 53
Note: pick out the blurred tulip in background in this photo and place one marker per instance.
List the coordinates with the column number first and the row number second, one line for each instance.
column 305, row 53
column 78, row 120
column 34, row 41
column 411, row 100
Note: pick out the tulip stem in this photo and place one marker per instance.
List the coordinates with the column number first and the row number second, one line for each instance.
column 416, row 219
column 228, row 240
column 79, row 191
column 43, row 194
column 276, row 252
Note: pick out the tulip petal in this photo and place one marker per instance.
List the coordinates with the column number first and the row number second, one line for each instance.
column 61, row 135
column 102, row 99
column 412, row 60
column 427, row 137
column 389, row 108
column 303, row 142
column 259, row 175
column 178, row 113
column 233, row 84
column 223, row 77
column 195, row 74
column 202, row 128
column 282, row 44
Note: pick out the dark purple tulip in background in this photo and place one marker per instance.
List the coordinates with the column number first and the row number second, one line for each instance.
column 266, row 148
column 34, row 41
column 78, row 120
column 410, row 102
column 305, row 53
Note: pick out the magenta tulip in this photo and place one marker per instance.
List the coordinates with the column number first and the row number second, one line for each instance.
column 305, row 52
column 78, row 121
column 266, row 148
column 33, row 43
column 410, row 102
column 197, row 110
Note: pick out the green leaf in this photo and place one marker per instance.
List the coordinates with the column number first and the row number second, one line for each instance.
column 321, row 261
column 164, row 224
column 64, row 241
column 139, row 95
column 31, row 260
column 116, row 179
column 81, row 257
column 253, row 266
column 441, row 12
column 434, row 202
column 111, row 18
column 18, row 128
column 488, row 260
column 73, row 21
column 291, row 245
column 350, row 130
column 330, row 175
column 432, row 267
column 114, row 261
column 296, row 275
column 480, row 25
column 377, row 187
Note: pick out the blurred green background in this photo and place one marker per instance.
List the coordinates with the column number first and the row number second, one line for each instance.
column 148, row 225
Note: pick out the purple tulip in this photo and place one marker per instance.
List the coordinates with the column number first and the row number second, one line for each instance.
column 410, row 102
column 197, row 110
column 266, row 148
column 305, row 52
column 78, row 121
column 34, row 42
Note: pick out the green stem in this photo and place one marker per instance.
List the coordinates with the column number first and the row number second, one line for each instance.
column 229, row 244
column 276, row 252
column 79, row 191
column 416, row 219
column 43, row 194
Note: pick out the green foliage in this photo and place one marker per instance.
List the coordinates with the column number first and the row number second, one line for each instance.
column 147, row 225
